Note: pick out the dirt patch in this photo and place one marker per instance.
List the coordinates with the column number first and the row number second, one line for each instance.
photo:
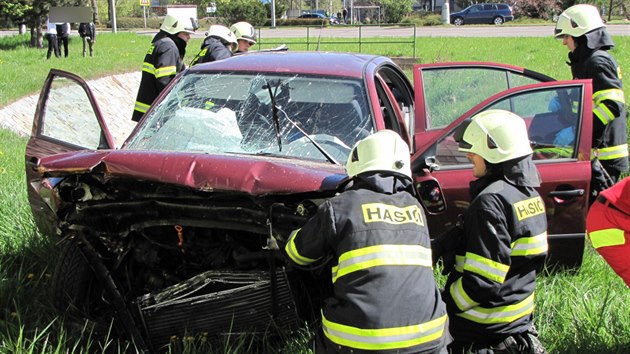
column 115, row 95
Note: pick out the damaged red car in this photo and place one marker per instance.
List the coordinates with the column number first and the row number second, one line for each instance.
column 178, row 231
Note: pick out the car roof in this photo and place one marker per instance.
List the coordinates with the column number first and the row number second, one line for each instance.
column 315, row 63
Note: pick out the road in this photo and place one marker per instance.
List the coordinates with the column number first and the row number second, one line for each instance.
column 427, row 31
column 394, row 31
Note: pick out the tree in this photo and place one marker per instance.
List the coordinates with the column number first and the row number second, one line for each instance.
column 395, row 10
column 12, row 12
column 252, row 11
column 544, row 9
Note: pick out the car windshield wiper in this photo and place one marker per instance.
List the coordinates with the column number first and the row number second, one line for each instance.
column 276, row 123
column 274, row 112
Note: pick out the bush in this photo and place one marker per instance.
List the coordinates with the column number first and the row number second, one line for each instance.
column 136, row 22
column 252, row 11
column 423, row 19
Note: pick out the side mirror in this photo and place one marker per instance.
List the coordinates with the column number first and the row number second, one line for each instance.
column 431, row 195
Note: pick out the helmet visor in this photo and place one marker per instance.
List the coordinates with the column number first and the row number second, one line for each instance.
column 459, row 135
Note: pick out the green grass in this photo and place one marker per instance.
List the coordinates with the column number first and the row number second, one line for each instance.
column 585, row 312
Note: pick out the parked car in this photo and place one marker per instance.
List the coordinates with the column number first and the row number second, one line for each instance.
column 316, row 15
column 180, row 231
column 483, row 13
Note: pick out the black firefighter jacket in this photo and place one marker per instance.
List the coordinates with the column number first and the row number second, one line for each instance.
column 212, row 49
column 490, row 295
column 590, row 60
column 385, row 297
column 163, row 61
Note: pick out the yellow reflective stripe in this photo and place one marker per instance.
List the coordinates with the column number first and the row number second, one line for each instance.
column 610, row 94
column 501, row 314
column 558, row 151
column 486, row 267
column 384, row 338
column 607, row 238
column 293, row 253
column 459, row 263
column 527, row 246
column 165, row 71
column 141, row 107
column 603, row 113
column 381, row 255
column 459, row 295
column 611, row 152
column 148, row 67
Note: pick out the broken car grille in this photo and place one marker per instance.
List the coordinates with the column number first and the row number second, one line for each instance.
column 219, row 303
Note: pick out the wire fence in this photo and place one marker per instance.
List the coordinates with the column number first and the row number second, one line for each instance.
column 352, row 38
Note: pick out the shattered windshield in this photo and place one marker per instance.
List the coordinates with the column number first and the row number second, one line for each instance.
column 267, row 114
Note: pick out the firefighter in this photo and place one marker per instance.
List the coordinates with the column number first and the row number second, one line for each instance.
column 489, row 295
column 219, row 44
column 385, row 299
column 608, row 227
column 582, row 30
column 245, row 36
column 163, row 60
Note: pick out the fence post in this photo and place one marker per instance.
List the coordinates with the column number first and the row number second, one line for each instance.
column 360, row 27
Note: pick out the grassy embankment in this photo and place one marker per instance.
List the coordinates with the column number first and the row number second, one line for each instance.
column 586, row 312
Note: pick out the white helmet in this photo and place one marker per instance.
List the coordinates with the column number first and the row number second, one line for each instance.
column 174, row 25
column 496, row 135
column 223, row 33
column 384, row 150
column 244, row 31
column 578, row 20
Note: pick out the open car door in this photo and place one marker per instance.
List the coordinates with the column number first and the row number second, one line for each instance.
column 67, row 119
column 559, row 120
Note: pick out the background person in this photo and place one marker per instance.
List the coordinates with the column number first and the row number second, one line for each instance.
column 490, row 294
column 582, row 30
column 245, row 36
column 63, row 32
column 608, row 227
column 163, row 60
column 219, row 44
column 385, row 297
column 87, row 31
column 51, row 37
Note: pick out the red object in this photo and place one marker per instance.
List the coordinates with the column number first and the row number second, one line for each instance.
column 608, row 227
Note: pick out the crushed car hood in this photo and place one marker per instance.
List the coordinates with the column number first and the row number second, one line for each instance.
column 256, row 175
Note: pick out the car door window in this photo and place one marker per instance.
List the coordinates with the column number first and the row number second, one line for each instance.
column 450, row 92
column 69, row 116
column 551, row 116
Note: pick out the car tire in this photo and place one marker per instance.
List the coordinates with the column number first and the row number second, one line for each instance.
column 458, row 21
column 498, row 20
column 76, row 293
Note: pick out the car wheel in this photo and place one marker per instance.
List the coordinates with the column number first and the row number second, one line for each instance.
column 458, row 21
column 498, row 20
column 77, row 293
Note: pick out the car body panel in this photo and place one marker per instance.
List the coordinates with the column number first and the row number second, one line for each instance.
column 565, row 179
column 255, row 176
